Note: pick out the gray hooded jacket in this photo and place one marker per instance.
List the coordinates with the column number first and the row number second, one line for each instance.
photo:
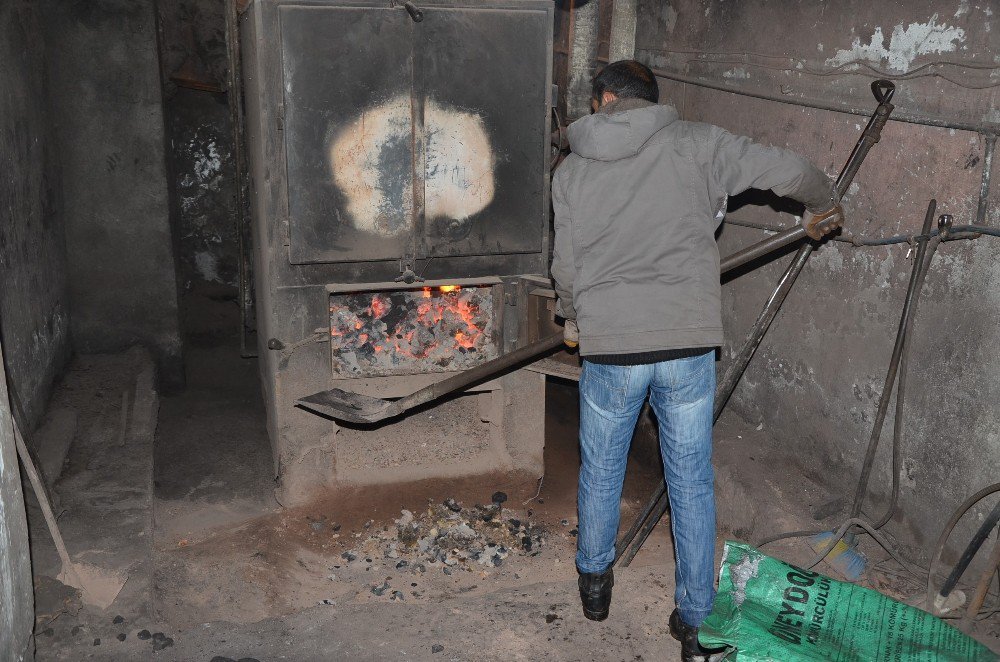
column 637, row 205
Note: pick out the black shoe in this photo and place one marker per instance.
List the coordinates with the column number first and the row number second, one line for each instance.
column 691, row 650
column 595, row 592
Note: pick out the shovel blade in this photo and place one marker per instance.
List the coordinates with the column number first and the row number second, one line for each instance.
column 98, row 586
column 346, row 406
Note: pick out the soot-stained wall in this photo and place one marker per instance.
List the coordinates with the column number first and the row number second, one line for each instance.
column 194, row 66
column 34, row 306
column 816, row 379
column 34, row 320
column 103, row 72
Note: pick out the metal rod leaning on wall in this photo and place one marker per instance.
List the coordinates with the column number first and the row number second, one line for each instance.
column 722, row 394
column 909, row 305
column 926, row 248
column 928, row 243
column 984, row 188
column 739, row 364
column 656, row 506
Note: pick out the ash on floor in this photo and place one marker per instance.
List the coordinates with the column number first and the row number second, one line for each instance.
column 446, row 538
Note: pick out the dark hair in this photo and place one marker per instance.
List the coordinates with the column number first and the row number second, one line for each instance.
column 627, row 79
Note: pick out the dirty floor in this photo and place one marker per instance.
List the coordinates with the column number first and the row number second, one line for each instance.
column 234, row 575
column 219, row 571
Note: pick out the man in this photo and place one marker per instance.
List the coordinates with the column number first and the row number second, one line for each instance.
column 636, row 269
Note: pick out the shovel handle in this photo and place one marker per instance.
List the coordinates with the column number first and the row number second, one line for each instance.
column 43, row 499
column 477, row 374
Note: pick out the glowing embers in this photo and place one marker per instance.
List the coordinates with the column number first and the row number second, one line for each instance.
column 437, row 329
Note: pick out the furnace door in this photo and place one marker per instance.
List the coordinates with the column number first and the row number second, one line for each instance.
column 482, row 77
column 348, row 132
column 414, row 139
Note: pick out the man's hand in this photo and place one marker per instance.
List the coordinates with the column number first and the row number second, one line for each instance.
column 817, row 225
column 571, row 333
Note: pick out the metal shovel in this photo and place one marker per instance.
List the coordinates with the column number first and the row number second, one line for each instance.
column 98, row 586
column 357, row 408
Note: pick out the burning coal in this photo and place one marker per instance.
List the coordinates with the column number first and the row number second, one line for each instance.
column 413, row 331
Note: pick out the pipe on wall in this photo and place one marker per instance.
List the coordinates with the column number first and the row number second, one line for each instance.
column 985, row 128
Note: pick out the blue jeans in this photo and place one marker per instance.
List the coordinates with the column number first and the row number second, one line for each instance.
column 682, row 392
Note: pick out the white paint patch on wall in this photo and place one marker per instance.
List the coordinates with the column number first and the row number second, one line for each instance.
column 208, row 164
column 905, row 44
column 371, row 161
column 738, row 73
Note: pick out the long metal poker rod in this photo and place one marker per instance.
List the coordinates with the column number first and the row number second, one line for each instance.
column 656, row 506
column 725, row 389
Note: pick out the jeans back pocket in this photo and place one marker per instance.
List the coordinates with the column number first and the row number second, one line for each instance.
column 605, row 386
column 691, row 379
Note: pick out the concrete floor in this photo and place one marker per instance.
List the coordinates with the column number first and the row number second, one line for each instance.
column 224, row 571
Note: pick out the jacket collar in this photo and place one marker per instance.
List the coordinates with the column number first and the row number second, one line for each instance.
column 622, row 105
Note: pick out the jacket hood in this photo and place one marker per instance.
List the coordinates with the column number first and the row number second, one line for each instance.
column 615, row 132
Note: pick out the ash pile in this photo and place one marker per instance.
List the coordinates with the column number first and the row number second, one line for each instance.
column 453, row 538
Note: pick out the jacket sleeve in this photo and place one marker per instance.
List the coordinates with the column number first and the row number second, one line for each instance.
column 739, row 164
column 563, row 262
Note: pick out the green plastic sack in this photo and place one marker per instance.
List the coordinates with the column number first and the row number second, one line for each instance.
column 769, row 610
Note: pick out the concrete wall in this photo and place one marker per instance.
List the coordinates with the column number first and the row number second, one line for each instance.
column 106, row 106
column 622, row 46
column 816, row 379
column 34, row 306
